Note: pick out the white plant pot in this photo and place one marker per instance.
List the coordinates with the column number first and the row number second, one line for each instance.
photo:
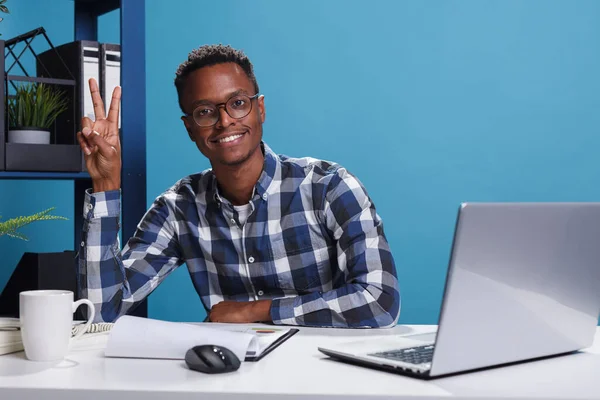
column 29, row 135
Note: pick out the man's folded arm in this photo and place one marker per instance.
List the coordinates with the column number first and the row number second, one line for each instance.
column 114, row 280
column 370, row 297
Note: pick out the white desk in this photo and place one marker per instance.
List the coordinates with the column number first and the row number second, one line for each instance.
column 295, row 370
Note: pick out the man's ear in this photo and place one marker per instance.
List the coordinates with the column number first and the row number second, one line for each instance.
column 188, row 128
column 261, row 108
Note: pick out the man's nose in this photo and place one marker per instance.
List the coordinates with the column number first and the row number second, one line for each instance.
column 224, row 119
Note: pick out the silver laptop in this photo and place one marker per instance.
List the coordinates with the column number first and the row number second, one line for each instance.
column 522, row 284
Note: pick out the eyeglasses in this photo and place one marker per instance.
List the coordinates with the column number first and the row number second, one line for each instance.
column 237, row 107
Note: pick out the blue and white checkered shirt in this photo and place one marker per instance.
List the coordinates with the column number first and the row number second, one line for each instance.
column 313, row 244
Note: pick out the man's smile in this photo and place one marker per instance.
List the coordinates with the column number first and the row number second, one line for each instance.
column 229, row 139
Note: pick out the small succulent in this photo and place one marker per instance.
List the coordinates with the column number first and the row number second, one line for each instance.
column 36, row 105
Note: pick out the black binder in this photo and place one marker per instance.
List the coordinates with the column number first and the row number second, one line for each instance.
column 273, row 346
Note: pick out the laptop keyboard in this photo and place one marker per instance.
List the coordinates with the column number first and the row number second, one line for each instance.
column 413, row 355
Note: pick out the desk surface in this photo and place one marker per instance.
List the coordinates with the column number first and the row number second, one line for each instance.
column 295, row 370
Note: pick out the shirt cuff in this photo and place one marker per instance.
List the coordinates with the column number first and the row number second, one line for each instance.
column 282, row 311
column 102, row 204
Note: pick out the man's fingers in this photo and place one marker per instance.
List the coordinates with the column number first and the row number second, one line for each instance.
column 97, row 100
column 115, row 103
column 83, row 144
column 94, row 138
column 212, row 316
column 84, row 136
column 86, row 123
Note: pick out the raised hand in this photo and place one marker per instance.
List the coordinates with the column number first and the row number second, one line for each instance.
column 99, row 141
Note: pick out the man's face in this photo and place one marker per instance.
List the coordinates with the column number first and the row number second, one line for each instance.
column 209, row 86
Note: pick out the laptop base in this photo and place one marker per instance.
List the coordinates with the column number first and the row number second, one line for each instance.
column 373, row 365
column 425, row 375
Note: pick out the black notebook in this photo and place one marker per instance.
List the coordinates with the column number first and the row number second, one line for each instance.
column 267, row 339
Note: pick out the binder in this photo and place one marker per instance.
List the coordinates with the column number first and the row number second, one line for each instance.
column 83, row 59
column 86, row 59
column 110, row 72
column 273, row 345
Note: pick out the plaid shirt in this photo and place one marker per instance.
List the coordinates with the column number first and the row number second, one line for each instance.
column 313, row 244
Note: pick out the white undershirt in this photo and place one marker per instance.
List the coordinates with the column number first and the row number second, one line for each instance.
column 243, row 212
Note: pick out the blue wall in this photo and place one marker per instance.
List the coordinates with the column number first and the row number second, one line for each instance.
column 428, row 103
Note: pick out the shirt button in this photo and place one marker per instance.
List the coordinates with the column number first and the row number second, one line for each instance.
column 251, row 259
column 90, row 206
column 260, row 292
column 82, row 244
column 264, row 196
column 232, row 221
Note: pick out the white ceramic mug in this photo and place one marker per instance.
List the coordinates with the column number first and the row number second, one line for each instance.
column 47, row 321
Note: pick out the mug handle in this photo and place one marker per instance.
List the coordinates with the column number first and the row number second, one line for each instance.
column 90, row 317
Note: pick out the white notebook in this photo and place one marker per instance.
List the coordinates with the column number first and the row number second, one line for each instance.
column 11, row 341
column 10, row 335
column 137, row 337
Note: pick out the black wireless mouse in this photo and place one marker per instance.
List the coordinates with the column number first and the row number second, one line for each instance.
column 211, row 359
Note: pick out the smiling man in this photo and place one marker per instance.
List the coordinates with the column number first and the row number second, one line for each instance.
column 265, row 237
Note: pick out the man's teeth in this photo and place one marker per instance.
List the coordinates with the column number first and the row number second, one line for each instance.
column 229, row 138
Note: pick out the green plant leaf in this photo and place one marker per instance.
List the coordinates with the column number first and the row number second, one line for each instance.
column 18, row 235
column 36, row 105
column 11, row 226
column 4, row 9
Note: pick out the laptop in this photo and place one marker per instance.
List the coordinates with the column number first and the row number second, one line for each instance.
column 522, row 284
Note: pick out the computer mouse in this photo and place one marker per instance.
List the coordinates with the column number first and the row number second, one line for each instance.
column 211, row 359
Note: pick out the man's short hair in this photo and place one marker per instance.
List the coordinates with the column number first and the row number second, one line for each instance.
column 208, row 55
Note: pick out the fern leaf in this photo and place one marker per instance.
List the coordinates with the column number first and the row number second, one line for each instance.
column 11, row 226
column 17, row 235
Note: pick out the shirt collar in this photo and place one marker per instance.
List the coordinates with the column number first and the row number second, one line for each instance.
column 270, row 168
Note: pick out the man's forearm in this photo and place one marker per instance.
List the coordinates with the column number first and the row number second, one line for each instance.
column 262, row 310
column 350, row 306
column 241, row 311
column 101, row 274
column 116, row 280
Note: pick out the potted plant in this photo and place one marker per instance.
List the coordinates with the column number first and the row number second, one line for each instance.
column 11, row 226
column 32, row 111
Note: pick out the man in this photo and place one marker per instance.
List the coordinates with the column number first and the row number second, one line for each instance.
column 266, row 238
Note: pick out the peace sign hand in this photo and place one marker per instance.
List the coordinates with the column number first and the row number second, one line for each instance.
column 99, row 141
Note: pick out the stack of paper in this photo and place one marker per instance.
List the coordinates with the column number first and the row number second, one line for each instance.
column 10, row 335
column 137, row 337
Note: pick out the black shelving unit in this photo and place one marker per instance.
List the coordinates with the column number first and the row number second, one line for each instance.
column 133, row 114
column 64, row 153
column 44, row 175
